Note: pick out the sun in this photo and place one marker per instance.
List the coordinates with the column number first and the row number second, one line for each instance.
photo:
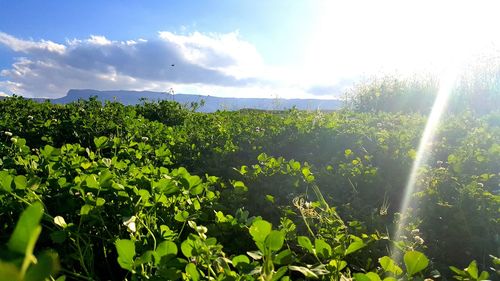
column 356, row 38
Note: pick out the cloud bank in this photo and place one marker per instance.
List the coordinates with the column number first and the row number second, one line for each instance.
column 48, row 69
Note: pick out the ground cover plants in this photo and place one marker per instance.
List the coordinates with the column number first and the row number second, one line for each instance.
column 157, row 191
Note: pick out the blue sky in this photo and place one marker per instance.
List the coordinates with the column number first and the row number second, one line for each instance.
column 230, row 48
column 265, row 23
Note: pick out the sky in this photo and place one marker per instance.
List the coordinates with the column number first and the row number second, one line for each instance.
column 284, row 49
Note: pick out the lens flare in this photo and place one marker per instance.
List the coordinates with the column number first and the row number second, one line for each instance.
column 446, row 85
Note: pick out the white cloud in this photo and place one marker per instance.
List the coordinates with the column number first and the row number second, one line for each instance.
column 50, row 69
column 30, row 46
column 99, row 40
column 205, row 64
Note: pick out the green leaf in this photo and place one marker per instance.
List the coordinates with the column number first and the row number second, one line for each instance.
column 27, row 230
column 484, row 276
column 100, row 142
column 373, row 276
column 167, row 249
column 146, row 257
column 389, row 265
column 194, row 181
column 181, row 216
column 187, row 246
column 47, row 264
column 100, row 201
column 339, row 265
column 145, row 195
column 197, row 190
column 306, row 171
column 322, row 248
column 279, row 273
column 9, row 271
column 304, row 270
column 415, row 262
column 274, row 240
column 472, row 270
column 5, row 181
column 105, row 179
column 21, row 182
column 284, row 257
column 167, row 186
column 92, row 182
column 457, row 271
column 192, row 272
column 361, row 277
column 126, row 253
column 370, row 276
column 239, row 185
column 354, row 246
column 86, row 165
column 240, row 261
column 305, row 243
column 260, row 229
column 85, row 209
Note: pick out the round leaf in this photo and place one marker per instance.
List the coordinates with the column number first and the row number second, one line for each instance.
column 415, row 262
column 259, row 230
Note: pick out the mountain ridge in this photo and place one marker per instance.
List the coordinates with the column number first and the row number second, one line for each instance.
column 211, row 103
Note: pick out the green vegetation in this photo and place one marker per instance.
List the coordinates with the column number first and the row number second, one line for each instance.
column 160, row 192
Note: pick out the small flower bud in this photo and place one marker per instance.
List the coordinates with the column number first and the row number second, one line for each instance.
column 9, row 134
column 130, row 223
column 419, row 240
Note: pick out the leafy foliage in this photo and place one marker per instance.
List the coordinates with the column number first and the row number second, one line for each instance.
column 158, row 191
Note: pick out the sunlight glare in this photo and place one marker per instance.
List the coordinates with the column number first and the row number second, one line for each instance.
column 447, row 83
column 364, row 38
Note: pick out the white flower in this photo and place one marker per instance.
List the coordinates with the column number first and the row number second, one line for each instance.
column 201, row 232
column 145, row 139
column 419, row 240
column 60, row 221
column 481, row 184
column 9, row 134
column 416, row 231
column 30, row 117
column 130, row 223
column 14, row 140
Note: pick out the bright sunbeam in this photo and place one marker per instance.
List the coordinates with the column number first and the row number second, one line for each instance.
column 446, row 86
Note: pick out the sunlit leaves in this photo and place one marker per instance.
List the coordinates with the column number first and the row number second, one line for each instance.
column 260, row 229
column 27, row 230
column 5, row 181
column 354, row 246
column 126, row 253
column 415, row 262
column 390, row 265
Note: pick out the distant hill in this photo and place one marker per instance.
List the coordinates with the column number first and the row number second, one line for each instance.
column 211, row 103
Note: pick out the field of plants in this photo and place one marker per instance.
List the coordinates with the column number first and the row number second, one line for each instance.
column 157, row 191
